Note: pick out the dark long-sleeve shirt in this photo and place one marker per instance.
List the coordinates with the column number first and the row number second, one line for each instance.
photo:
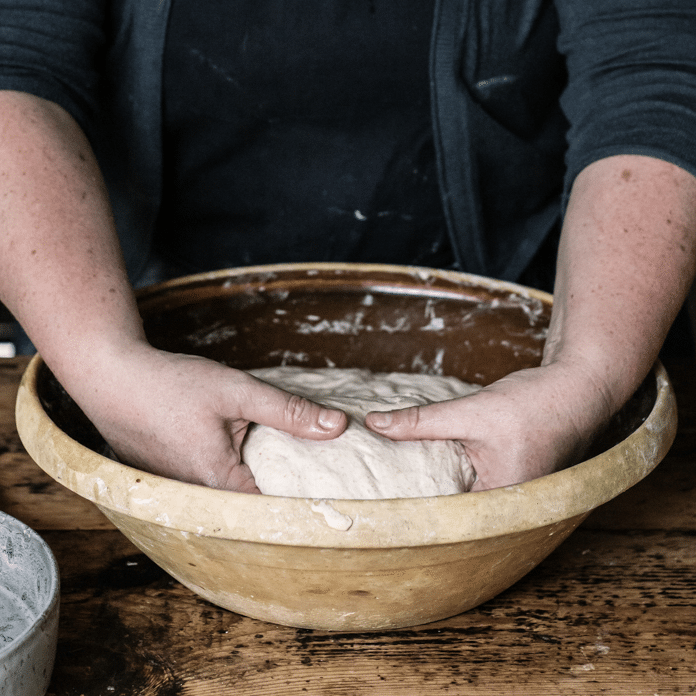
column 523, row 94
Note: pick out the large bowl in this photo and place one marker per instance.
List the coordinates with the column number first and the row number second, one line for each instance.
column 346, row 564
column 29, row 607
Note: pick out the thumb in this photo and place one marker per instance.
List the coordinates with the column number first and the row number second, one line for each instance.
column 428, row 422
column 293, row 414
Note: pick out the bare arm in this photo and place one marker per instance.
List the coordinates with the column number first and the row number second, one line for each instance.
column 63, row 277
column 59, row 247
column 625, row 265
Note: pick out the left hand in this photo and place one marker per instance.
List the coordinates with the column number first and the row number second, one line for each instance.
column 525, row 425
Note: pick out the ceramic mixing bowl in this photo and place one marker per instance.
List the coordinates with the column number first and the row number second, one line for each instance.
column 29, row 607
column 346, row 564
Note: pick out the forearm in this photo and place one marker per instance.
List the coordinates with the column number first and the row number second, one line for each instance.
column 626, row 263
column 62, row 273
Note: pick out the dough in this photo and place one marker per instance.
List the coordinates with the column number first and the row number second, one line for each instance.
column 359, row 464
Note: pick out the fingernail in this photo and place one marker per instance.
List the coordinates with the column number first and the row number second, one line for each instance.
column 328, row 420
column 381, row 419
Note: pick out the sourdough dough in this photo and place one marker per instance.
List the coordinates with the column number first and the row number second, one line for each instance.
column 359, row 464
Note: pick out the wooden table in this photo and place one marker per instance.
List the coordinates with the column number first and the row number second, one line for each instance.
column 612, row 611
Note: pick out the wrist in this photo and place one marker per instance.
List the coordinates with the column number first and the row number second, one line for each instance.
column 98, row 365
column 600, row 383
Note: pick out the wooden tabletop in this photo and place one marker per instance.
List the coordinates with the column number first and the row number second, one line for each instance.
column 612, row 611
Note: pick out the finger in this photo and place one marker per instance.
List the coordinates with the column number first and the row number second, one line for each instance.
column 479, row 485
column 241, row 479
column 431, row 422
column 293, row 414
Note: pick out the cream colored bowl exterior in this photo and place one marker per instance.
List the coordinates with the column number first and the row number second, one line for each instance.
column 345, row 564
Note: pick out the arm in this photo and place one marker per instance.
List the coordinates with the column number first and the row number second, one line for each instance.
column 63, row 277
column 626, row 262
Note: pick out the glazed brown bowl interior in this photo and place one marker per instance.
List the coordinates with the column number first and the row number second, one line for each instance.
column 383, row 318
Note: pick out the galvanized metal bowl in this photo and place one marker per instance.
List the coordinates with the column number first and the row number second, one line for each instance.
column 346, row 564
column 29, row 607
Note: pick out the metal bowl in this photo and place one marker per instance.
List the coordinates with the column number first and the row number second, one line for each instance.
column 29, row 606
column 346, row 564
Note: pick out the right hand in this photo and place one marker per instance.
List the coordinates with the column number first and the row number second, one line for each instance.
column 184, row 417
column 516, row 429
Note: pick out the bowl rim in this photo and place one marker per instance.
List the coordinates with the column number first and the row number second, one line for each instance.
column 123, row 491
column 19, row 641
column 266, row 273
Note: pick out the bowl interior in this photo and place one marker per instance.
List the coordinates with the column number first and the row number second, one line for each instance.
column 379, row 317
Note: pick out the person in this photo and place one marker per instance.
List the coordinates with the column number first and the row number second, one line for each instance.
column 461, row 134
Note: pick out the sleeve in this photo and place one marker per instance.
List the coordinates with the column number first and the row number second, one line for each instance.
column 51, row 48
column 631, row 80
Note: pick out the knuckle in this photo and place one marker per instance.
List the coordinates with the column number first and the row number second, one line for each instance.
column 297, row 409
column 413, row 416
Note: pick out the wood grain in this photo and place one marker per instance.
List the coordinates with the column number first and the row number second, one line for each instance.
column 612, row 611
column 607, row 613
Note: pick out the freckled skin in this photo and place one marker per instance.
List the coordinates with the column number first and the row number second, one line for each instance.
column 616, row 295
column 623, row 274
column 61, row 259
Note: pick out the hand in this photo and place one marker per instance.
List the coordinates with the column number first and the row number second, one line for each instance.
column 185, row 417
column 521, row 427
